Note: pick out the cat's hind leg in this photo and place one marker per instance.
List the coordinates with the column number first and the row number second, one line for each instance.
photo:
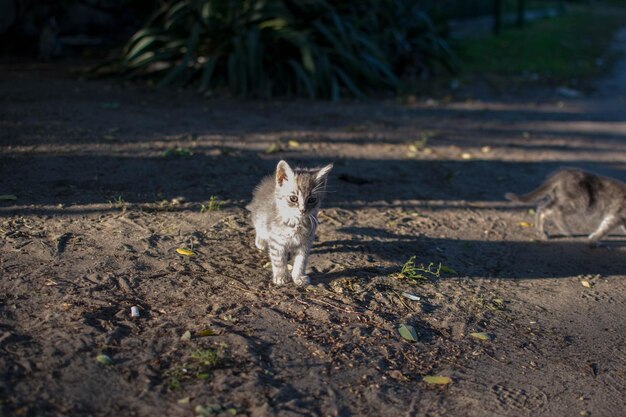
column 607, row 224
column 557, row 218
column 544, row 210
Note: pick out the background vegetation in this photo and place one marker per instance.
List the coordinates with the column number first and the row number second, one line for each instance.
column 325, row 49
column 569, row 49
column 264, row 48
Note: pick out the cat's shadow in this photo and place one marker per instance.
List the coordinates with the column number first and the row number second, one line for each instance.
column 557, row 257
column 616, row 240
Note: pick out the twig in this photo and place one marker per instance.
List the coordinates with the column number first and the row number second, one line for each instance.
column 135, row 224
column 402, row 301
column 337, row 307
column 246, row 290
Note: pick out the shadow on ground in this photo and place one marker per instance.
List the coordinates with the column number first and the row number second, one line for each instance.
column 557, row 257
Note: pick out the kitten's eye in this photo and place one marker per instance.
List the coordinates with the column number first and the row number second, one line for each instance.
column 311, row 200
column 293, row 198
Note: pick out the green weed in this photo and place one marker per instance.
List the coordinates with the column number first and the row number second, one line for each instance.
column 214, row 204
column 206, row 357
column 490, row 303
column 199, row 365
column 176, row 152
column 119, row 203
column 420, row 273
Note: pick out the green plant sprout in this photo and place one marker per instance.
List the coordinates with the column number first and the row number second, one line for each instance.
column 214, row 204
column 421, row 272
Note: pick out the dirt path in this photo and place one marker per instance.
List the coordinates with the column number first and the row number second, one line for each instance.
column 98, row 169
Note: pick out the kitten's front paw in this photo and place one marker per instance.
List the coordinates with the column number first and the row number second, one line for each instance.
column 301, row 280
column 261, row 244
column 280, row 279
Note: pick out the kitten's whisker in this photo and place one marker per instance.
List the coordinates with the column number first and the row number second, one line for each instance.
column 314, row 220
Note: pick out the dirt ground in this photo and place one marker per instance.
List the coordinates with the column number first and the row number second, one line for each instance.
column 111, row 179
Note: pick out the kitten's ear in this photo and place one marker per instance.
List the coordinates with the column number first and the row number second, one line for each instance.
column 283, row 173
column 323, row 172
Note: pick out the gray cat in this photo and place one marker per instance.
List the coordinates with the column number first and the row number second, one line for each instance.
column 573, row 191
column 284, row 214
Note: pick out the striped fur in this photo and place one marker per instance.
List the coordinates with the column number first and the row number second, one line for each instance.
column 284, row 214
column 570, row 192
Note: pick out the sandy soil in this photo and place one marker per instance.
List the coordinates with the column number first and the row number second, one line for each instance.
column 111, row 179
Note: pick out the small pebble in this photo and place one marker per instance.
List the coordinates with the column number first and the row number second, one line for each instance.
column 134, row 311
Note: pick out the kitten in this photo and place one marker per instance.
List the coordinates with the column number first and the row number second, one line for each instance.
column 284, row 213
column 572, row 191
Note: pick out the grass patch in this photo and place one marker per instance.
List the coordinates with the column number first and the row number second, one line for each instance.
column 206, row 358
column 490, row 303
column 214, row 204
column 574, row 46
column 176, row 152
column 420, row 272
column 199, row 365
column 119, row 203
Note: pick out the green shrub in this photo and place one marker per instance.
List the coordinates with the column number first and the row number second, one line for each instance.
column 265, row 48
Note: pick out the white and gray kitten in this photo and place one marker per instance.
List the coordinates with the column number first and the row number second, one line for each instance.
column 284, row 214
column 581, row 193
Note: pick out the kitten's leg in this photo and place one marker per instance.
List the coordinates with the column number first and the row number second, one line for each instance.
column 259, row 242
column 299, row 266
column 605, row 227
column 540, row 220
column 278, row 256
column 262, row 234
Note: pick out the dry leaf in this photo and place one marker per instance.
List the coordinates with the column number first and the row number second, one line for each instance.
column 408, row 332
column 437, row 380
column 275, row 147
column 466, row 155
column 186, row 335
column 395, row 374
column 185, row 252
column 206, row 332
column 585, row 283
column 104, row 359
column 481, row 336
column 293, row 144
column 525, row 224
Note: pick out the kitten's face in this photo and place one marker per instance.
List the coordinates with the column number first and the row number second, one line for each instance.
column 299, row 193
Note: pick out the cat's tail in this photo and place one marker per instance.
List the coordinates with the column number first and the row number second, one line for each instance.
column 535, row 195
